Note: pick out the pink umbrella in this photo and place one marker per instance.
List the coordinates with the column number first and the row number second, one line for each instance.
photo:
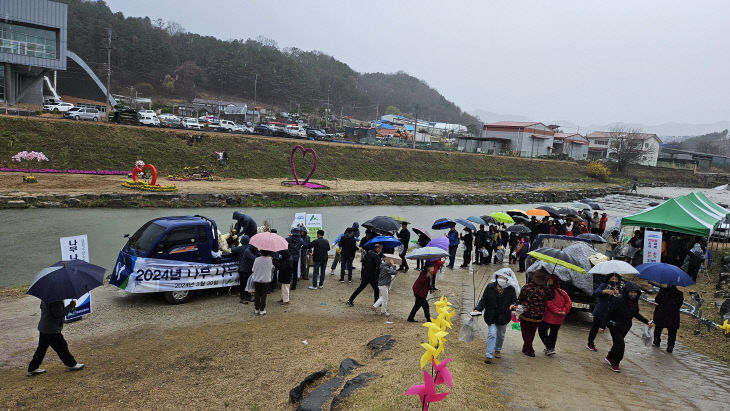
column 267, row 241
column 419, row 230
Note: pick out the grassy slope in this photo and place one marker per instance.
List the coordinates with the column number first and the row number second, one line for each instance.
column 76, row 145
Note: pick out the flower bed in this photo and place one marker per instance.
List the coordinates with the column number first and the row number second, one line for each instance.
column 51, row 170
column 144, row 186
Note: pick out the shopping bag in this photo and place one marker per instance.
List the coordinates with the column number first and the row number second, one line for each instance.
column 467, row 331
column 647, row 336
column 440, row 275
column 249, row 284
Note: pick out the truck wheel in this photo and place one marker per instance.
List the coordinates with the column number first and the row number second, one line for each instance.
column 178, row 297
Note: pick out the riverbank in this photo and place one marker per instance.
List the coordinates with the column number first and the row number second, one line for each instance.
column 84, row 191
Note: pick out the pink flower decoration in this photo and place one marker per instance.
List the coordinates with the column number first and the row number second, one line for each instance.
column 443, row 375
column 426, row 391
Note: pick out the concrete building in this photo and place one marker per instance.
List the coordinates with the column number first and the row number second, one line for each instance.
column 573, row 145
column 600, row 146
column 32, row 45
column 518, row 138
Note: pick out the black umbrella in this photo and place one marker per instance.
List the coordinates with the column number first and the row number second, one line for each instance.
column 553, row 212
column 489, row 219
column 558, row 257
column 66, row 280
column 519, row 229
column 565, row 211
column 594, row 238
column 382, row 224
column 521, row 218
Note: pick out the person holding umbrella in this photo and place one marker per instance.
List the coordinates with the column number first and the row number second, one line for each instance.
column 620, row 312
column 480, row 241
column 453, row 237
column 423, row 241
column 533, row 298
column 63, row 280
column 498, row 300
column 404, row 236
column 261, row 277
column 467, row 238
column 666, row 315
column 369, row 275
column 603, row 294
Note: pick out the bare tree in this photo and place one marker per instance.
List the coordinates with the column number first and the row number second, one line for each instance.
column 627, row 146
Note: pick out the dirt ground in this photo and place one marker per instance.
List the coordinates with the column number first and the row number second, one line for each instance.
column 213, row 352
column 12, row 184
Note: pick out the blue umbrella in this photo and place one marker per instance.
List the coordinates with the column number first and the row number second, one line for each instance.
column 66, row 280
column 477, row 220
column 664, row 274
column 466, row 224
column 441, row 224
column 388, row 241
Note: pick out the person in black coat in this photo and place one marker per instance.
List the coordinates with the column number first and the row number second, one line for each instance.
column 666, row 315
column 348, row 248
column 370, row 266
column 498, row 300
column 320, row 248
column 423, row 241
column 283, row 264
column 468, row 240
column 603, row 295
column 480, row 241
column 621, row 311
column 404, row 236
column 295, row 247
column 50, row 326
column 245, row 225
column 246, row 254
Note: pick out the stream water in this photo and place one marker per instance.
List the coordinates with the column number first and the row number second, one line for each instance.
column 29, row 239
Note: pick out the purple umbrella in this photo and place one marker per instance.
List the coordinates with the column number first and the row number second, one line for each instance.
column 439, row 242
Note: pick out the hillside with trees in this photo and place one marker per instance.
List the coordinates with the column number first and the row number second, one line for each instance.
column 711, row 143
column 162, row 60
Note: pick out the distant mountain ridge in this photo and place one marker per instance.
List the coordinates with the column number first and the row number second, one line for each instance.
column 161, row 59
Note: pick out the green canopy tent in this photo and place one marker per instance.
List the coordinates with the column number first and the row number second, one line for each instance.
column 678, row 215
column 701, row 198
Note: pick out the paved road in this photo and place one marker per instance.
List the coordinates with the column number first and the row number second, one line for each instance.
column 576, row 379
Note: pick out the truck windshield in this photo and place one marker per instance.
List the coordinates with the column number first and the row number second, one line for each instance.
column 146, row 237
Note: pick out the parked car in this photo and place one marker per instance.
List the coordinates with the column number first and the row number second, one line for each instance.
column 263, row 129
column 146, row 112
column 296, row 131
column 62, row 107
column 316, row 133
column 190, row 122
column 170, row 120
column 147, row 119
column 228, row 125
column 80, row 113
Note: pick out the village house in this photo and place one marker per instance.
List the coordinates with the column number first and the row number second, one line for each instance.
column 600, row 146
column 518, row 138
column 573, row 145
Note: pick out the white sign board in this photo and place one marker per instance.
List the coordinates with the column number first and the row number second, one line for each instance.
column 314, row 224
column 77, row 248
column 299, row 219
column 652, row 246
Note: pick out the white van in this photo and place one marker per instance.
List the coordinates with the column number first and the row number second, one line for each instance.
column 296, row 131
column 190, row 122
column 228, row 125
column 147, row 119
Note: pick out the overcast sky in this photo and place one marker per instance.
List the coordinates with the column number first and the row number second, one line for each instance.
column 589, row 62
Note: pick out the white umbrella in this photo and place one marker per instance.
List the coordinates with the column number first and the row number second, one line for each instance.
column 613, row 267
column 427, row 253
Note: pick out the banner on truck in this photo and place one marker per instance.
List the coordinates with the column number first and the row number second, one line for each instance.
column 152, row 275
column 652, row 246
column 77, row 248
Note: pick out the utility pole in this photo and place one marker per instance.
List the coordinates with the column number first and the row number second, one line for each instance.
column 109, row 70
column 256, row 79
column 342, row 108
column 415, row 127
column 377, row 112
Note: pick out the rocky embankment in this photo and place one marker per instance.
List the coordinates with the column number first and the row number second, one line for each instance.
column 283, row 199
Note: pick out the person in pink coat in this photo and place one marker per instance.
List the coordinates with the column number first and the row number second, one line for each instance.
column 555, row 312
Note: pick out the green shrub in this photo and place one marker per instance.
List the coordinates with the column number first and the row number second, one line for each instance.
column 598, row 170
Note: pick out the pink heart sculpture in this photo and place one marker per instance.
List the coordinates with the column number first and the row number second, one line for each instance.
column 304, row 153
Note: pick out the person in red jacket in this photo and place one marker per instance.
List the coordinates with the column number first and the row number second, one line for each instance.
column 602, row 224
column 420, row 291
column 437, row 265
column 555, row 312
